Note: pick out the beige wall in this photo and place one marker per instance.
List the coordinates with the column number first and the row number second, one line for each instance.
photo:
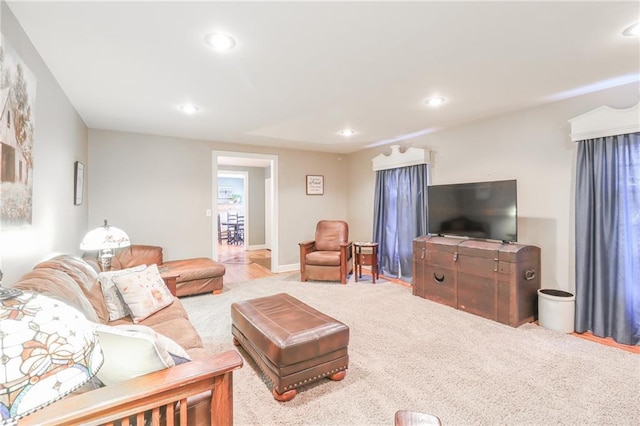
column 60, row 139
column 532, row 146
column 164, row 183
column 158, row 188
column 299, row 213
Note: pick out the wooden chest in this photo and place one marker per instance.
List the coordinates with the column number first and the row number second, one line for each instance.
column 498, row 281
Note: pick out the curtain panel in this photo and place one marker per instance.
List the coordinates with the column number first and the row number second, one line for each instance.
column 608, row 237
column 400, row 215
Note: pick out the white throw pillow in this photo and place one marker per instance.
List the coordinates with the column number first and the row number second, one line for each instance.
column 164, row 343
column 144, row 292
column 134, row 350
column 115, row 304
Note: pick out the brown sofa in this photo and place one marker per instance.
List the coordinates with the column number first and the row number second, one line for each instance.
column 193, row 276
column 73, row 280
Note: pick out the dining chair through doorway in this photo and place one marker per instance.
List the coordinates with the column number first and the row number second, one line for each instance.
column 223, row 231
column 235, row 228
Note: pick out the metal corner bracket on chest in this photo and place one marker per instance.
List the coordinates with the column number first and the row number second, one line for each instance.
column 494, row 280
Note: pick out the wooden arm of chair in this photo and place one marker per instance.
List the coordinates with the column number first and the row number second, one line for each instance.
column 149, row 393
column 346, row 249
column 346, row 252
column 308, row 246
column 305, row 247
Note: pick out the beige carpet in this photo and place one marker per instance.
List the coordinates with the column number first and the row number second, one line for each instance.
column 410, row 353
column 365, row 278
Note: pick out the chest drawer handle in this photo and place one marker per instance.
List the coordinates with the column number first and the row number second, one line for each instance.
column 529, row 274
column 439, row 279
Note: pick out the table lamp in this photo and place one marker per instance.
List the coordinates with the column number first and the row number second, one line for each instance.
column 48, row 349
column 105, row 239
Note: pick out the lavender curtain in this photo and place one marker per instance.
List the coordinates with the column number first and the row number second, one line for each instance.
column 608, row 238
column 399, row 216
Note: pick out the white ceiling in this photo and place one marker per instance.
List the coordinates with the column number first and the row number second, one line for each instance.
column 302, row 71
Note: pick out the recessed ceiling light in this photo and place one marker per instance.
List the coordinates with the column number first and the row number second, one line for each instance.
column 632, row 30
column 347, row 132
column 189, row 108
column 435, row 101
column 220, row 41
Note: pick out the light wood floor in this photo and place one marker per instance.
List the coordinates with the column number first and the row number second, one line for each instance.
column 242, row 265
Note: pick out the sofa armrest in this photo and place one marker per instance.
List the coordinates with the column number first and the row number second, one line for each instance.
column 149, row 393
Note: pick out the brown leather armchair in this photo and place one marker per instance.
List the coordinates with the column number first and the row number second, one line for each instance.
column 330, row 256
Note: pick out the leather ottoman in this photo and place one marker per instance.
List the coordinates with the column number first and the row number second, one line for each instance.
column 291, row 342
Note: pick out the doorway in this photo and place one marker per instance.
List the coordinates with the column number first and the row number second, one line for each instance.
column 233, row 197
column 262, row 220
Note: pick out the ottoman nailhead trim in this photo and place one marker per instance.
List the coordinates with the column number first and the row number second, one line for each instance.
column 335, row 370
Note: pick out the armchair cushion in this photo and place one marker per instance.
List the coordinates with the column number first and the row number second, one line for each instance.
column 324, row 258
column 330, row 234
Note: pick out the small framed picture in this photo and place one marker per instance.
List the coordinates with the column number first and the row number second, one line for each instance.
column 315, row 185
column 225, row 192
column 78, row 187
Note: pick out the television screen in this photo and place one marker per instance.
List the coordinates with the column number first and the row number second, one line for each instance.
column 486, row 210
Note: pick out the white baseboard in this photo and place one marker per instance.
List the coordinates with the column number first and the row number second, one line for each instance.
column 257, row 247
column 289, row 268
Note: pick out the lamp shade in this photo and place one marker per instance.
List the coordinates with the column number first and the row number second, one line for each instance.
column 47, row 350
column 105, row 237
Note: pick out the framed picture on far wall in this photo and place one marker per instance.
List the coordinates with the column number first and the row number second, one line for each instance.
column 78, row 187
column 225, row 192
column 315, row 185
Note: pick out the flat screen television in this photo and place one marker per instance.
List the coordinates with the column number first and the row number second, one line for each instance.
column 485, row 210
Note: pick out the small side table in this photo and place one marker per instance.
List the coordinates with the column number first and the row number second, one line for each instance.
column 170, row 279
column 366, row 254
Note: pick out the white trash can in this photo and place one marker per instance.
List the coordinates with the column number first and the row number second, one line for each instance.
column 556, row 310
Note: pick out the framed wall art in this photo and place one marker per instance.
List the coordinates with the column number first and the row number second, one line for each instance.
column 78, row 187
column 315, row 185
column 17, row 121
column 225, row 192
